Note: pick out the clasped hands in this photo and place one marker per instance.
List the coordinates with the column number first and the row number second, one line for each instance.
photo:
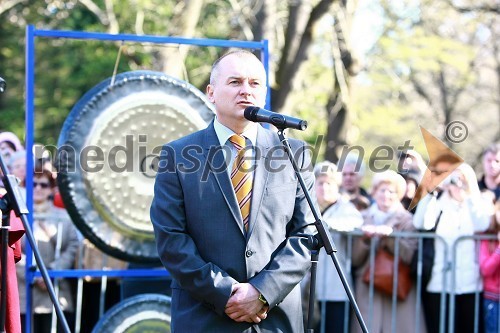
column 244, row 304
column 370, row 230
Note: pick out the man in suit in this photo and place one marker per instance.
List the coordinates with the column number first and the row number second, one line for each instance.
column 233, row 272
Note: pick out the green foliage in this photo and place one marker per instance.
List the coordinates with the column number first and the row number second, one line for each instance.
column 426, row 69
column 66, row 69
column 315, row 82
column 388, row 125
column 418, row 50
column 210, row 24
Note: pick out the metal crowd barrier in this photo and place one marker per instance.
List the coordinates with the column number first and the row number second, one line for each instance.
column 450, row 266
column 100, row 274
column 103, row 275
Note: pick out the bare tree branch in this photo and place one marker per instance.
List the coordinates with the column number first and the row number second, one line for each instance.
column 100, row 14
column 114, row 26
column 173, row 58
column 139, row 22
column 260, row 18
column 484, row 8
column 291, row 68
column 338, row 108
column 246, row 29
column 419, row 88
column 294, row 9
column 340, row 51
column 5, row 6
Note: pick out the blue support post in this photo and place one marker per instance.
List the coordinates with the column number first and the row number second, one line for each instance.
column 30, row 130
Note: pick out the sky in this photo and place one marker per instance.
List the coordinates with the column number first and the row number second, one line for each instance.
column 367, row 26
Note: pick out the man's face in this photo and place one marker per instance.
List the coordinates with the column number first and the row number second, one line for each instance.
column 350, row 178
column 491, row 164
column 240, row 81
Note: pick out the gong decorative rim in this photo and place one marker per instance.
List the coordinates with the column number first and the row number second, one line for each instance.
column 142, row 313
column 107, row 151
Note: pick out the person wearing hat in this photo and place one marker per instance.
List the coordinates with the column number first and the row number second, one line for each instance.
column 9, row 144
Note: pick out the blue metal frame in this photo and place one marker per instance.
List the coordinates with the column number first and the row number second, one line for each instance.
column 31, row 34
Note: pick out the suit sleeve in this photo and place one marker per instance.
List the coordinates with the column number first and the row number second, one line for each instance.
column 289, row 264
column 203, row 280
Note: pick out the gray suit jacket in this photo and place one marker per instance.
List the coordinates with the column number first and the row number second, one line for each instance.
column 201, row 241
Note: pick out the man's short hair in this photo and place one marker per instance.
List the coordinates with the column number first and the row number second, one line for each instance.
column 240, row 52
column 353, row 158
column 329, row 169
column 493, row 148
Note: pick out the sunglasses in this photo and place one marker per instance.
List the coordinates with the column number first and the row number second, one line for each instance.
column 42, row 185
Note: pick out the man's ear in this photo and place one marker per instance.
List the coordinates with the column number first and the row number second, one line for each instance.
column 210, row 93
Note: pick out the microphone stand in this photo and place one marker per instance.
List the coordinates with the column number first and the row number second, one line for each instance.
column 13, row 200
column 317, row 241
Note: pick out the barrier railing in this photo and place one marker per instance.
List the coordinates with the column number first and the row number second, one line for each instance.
column 103, row 274
column 449, row 268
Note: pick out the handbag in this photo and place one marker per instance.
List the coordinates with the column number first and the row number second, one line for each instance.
column 427, row 256
column 383, row 275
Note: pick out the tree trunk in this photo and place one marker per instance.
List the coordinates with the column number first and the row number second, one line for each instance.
column 291, row 61
column 338, row 105
column 336, row 132
column 172, row 57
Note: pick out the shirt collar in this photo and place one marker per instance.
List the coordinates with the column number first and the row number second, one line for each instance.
column 223, row 133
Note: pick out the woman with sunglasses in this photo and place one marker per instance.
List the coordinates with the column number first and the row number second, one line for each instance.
column 57, row 241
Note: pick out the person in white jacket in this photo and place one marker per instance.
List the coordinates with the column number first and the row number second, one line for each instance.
column 462, row 211
column 341, row 216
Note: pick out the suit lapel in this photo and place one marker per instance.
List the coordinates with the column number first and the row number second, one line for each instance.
column 261, row 174
column 214, row 157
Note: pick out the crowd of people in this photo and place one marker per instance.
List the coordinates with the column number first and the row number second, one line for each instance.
column 457, row 206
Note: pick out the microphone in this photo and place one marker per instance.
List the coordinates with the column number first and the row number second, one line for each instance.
column 256, row 114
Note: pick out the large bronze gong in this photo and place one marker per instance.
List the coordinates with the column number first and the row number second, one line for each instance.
column 107, row 157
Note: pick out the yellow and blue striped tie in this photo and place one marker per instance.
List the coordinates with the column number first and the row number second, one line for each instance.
column 241, row 178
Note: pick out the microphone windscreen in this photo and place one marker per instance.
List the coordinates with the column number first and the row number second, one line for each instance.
column 251, row 113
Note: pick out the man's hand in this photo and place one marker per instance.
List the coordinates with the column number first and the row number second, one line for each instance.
column 370, row 230
column 244, row 304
